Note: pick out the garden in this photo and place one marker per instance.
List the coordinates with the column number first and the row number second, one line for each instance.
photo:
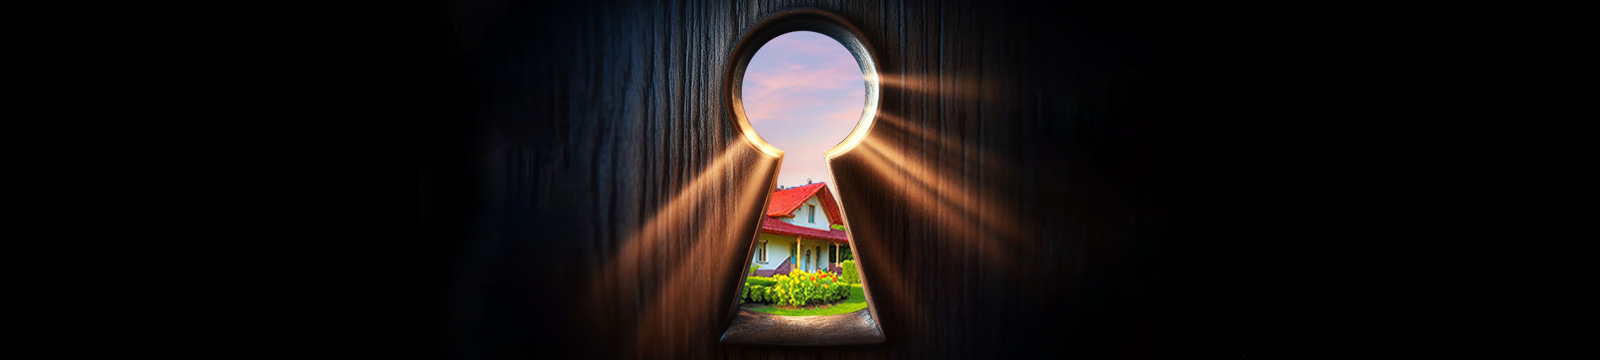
column 802, row 293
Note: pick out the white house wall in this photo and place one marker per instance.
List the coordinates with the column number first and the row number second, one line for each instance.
column 778, row 248
column 800, row 218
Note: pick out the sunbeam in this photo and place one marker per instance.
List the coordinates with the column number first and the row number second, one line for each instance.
column 922, row 188
column 944, row 85
column 993, row 166
column 686, row 284
column 995, row 218
column 666, row 230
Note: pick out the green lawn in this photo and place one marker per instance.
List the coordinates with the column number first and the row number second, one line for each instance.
column 856, row 301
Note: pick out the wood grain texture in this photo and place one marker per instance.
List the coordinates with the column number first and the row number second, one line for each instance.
column 591, row 198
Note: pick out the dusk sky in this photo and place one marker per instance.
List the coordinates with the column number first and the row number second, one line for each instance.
column 803, row 93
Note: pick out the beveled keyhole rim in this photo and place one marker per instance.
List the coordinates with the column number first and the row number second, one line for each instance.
column 821, row 22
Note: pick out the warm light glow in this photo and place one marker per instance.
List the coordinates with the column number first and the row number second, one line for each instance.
column 688, row 226
column 943, row 85
column 684, row 286
column 992, row 166
column 957, row 209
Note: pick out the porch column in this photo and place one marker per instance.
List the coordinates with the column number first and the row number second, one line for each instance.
column 797, row 247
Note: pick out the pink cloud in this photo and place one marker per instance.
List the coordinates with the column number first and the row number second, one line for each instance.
column 803, row 93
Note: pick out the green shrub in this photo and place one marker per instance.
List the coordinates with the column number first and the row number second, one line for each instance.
column 755, row 293
column 757, row 280
column 798, row 288
column 849, row 272
column 753, row 269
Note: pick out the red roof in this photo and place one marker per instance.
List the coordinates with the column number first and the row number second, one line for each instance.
column 777, row 226
column 786, row 201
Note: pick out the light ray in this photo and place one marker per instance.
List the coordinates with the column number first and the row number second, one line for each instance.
column 929, row 182
column 686, row 284
column 950, row 216
column 990, row 164
column 621, row 273
column 960, row 87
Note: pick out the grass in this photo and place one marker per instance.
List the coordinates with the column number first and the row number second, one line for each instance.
column 856, row 301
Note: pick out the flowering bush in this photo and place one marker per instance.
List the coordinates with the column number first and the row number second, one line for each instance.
column 798, row 288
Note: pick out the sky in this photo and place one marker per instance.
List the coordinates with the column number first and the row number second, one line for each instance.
column 803, row 93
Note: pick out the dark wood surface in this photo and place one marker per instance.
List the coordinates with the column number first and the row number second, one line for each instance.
column 759, row 328
column 1023, row 192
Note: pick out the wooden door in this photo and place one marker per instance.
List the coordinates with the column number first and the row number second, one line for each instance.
column 586, row 195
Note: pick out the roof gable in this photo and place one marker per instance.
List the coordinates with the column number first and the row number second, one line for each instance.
column 785, row 202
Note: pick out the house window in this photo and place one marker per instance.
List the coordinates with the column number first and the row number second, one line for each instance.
column 762, row 251
column 811, row 211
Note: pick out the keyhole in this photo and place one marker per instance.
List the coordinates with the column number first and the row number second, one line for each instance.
column 804, row 88
column 803, row 92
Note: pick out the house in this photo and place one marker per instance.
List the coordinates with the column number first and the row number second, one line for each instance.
column 800, row 220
